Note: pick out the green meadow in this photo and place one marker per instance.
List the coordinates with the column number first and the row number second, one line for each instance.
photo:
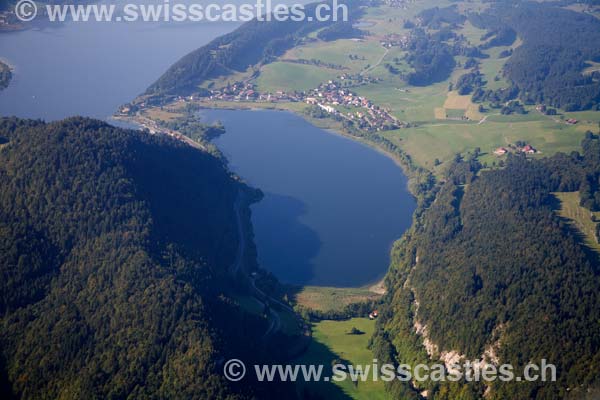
column 338, row 52
column 445, row 139
column 433, row 111
column 332, row 343
column 287, row 76
column 331, row 298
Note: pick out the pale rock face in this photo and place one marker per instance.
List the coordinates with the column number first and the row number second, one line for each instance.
column 453, row 359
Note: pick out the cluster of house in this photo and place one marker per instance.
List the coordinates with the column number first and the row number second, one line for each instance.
column 395, row 40
column 327, row 96
column 241, row 91
column 398, row 3
column 527, row 149
column 369, row 116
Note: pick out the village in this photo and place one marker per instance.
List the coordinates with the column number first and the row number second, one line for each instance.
column 329, row 97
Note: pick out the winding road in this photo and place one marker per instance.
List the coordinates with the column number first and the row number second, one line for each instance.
column 237, row 266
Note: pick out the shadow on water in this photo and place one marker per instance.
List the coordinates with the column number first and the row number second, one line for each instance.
column 286, row 246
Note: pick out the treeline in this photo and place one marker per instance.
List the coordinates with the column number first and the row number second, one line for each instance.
column 547, row 67
column 434, row 44
column 115, row 247
column 492, row 263
column 252, row 43
column 353, row 310
column 503, row 36
column 436, row 17
column 468, row 82
column 431, row 59
column 340, row 30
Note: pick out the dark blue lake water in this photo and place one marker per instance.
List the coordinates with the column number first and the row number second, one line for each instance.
column 332, row 208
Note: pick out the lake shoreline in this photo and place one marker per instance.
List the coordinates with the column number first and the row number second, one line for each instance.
column 376, row 286
column 332, row 130
column 379, row 237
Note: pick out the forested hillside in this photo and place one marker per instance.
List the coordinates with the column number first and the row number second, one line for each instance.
column 114, row 248
column 252, row 43
column 547, row 67
column 492, row 265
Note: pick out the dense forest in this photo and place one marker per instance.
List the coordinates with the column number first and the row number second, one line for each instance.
column 340, row 30
column 115, row 247
column 433, row 44
column 252, row 43
column 491, row 263
column 431, row 59
column 547, row 67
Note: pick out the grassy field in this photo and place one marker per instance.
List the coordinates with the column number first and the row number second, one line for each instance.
column 330, row 298
column 415, row 105
column 472, row 33
column 331, row 341
column 580, row 217
column 491, row 68
column 445, row 139
column 434, row 111
column 338, row 52
column 289, row 76
column 163, row 115
column 390, row 19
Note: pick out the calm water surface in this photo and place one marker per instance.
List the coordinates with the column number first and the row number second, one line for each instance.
column 90, row 68
column 332, row 207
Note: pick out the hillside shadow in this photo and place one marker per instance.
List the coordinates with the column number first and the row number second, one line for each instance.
column 571, row 228
column 319, row 354
column 286, row 246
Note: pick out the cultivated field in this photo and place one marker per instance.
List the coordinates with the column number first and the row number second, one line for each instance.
column 443, row 123
column 330, row 298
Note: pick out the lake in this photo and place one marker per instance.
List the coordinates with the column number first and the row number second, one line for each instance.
column 92, row 68
column 332, row 206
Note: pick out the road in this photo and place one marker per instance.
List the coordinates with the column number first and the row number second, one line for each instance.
column 237, row 266
column 376, row 64
column 154, row 128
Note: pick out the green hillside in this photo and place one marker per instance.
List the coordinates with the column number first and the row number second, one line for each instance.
column 115, row 247
column 492, row 265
